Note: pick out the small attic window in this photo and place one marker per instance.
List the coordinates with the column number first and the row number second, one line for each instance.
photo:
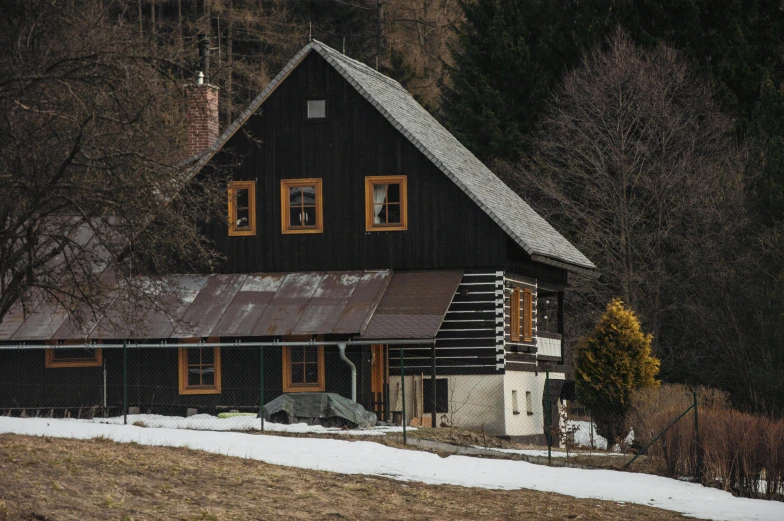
column 317, row 109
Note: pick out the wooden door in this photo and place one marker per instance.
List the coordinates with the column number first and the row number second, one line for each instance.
column 379, row 377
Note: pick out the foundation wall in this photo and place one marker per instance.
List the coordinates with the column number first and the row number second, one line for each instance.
column 473, row 401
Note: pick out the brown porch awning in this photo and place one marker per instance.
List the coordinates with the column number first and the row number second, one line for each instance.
column 414, row 305
column 270, row 304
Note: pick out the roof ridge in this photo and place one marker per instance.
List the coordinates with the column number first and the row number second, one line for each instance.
column 361, row 66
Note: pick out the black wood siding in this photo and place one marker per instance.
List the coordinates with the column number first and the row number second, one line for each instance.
column 470, row 339
column 153, row 383
column 446, row 229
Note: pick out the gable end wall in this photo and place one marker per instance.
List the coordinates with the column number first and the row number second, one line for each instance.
column 446, row 228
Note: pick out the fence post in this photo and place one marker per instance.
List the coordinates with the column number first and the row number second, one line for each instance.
column 125, row 383
column 697, row 448
column 403, row 392
column 590, row 418
column 433, row 382
column 549, row 420
column 654, row 440
column 261, row 386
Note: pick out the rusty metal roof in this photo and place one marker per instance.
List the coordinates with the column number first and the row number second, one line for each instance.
column 413, row 305
column 41, row 324
column 272, row 304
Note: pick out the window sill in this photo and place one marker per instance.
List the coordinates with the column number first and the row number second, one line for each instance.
column 303, row 390
column 212, row 390
column 387, row 229
column 241, row 233
column 65, row 365
column 301, row 231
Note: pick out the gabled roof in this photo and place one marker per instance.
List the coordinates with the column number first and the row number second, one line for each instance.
column 526, row 227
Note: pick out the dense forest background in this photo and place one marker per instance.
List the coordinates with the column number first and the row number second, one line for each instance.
column 693, row 242
column 253, row 39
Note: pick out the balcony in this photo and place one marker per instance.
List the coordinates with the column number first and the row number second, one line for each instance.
column 549, row 346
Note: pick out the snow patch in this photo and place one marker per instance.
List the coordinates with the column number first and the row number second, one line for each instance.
column 260, row 283
column 585, row 437
column 206, row 422
column 369, row 458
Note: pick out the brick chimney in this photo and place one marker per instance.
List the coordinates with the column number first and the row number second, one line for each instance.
column 202, row 113
column 202, row 106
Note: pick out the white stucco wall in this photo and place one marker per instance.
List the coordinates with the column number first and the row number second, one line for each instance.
column 475, row 401
column 484, row 401
column 523, row 424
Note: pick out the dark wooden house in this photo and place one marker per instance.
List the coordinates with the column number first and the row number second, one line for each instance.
column 356, row 222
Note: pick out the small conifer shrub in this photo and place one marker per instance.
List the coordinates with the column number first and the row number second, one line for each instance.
column 612, row 362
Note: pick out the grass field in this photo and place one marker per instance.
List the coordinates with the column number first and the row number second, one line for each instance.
column 46, row 479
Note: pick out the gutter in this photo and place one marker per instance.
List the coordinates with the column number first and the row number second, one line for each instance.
column 274, row 343
column 582, row 270
column 342, row 348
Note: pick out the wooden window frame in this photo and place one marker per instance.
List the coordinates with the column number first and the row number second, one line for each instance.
column 234, row 186
column 528, row 315
column 401, row 180
column 514, row 315
column 285, row 227
column 288, row 386
column 215, row 388
column 51, row 363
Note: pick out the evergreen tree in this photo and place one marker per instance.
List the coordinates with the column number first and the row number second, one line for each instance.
column 511, row 53
column 612, row 362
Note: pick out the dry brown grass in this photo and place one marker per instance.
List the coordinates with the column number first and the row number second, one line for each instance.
column 46, row 479
column 742, row 453
column 465, row 437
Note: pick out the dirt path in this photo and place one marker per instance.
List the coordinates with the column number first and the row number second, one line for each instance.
column 46, row 479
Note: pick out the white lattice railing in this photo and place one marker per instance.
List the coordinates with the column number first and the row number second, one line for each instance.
column 546, row 346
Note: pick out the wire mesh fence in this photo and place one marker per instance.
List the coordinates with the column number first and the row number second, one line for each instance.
column 209, row 387
column 221, row 386
column 307, row 387
column 328, row 388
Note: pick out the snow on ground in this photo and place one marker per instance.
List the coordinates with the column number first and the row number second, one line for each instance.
column 586, row 437
column 206, row 422
column 368, row 458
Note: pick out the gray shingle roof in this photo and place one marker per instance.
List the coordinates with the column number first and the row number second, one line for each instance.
column 526, row 227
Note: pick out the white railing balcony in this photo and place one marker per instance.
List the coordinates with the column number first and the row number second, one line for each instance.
column 549, row 344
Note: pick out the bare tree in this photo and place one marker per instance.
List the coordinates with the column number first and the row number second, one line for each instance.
column 418, row 36
column 635, row 163
column 93, row 187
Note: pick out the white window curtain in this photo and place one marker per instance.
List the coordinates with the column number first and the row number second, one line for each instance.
column 379, row 196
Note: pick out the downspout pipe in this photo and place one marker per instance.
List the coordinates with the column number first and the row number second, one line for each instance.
column 342, row 348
